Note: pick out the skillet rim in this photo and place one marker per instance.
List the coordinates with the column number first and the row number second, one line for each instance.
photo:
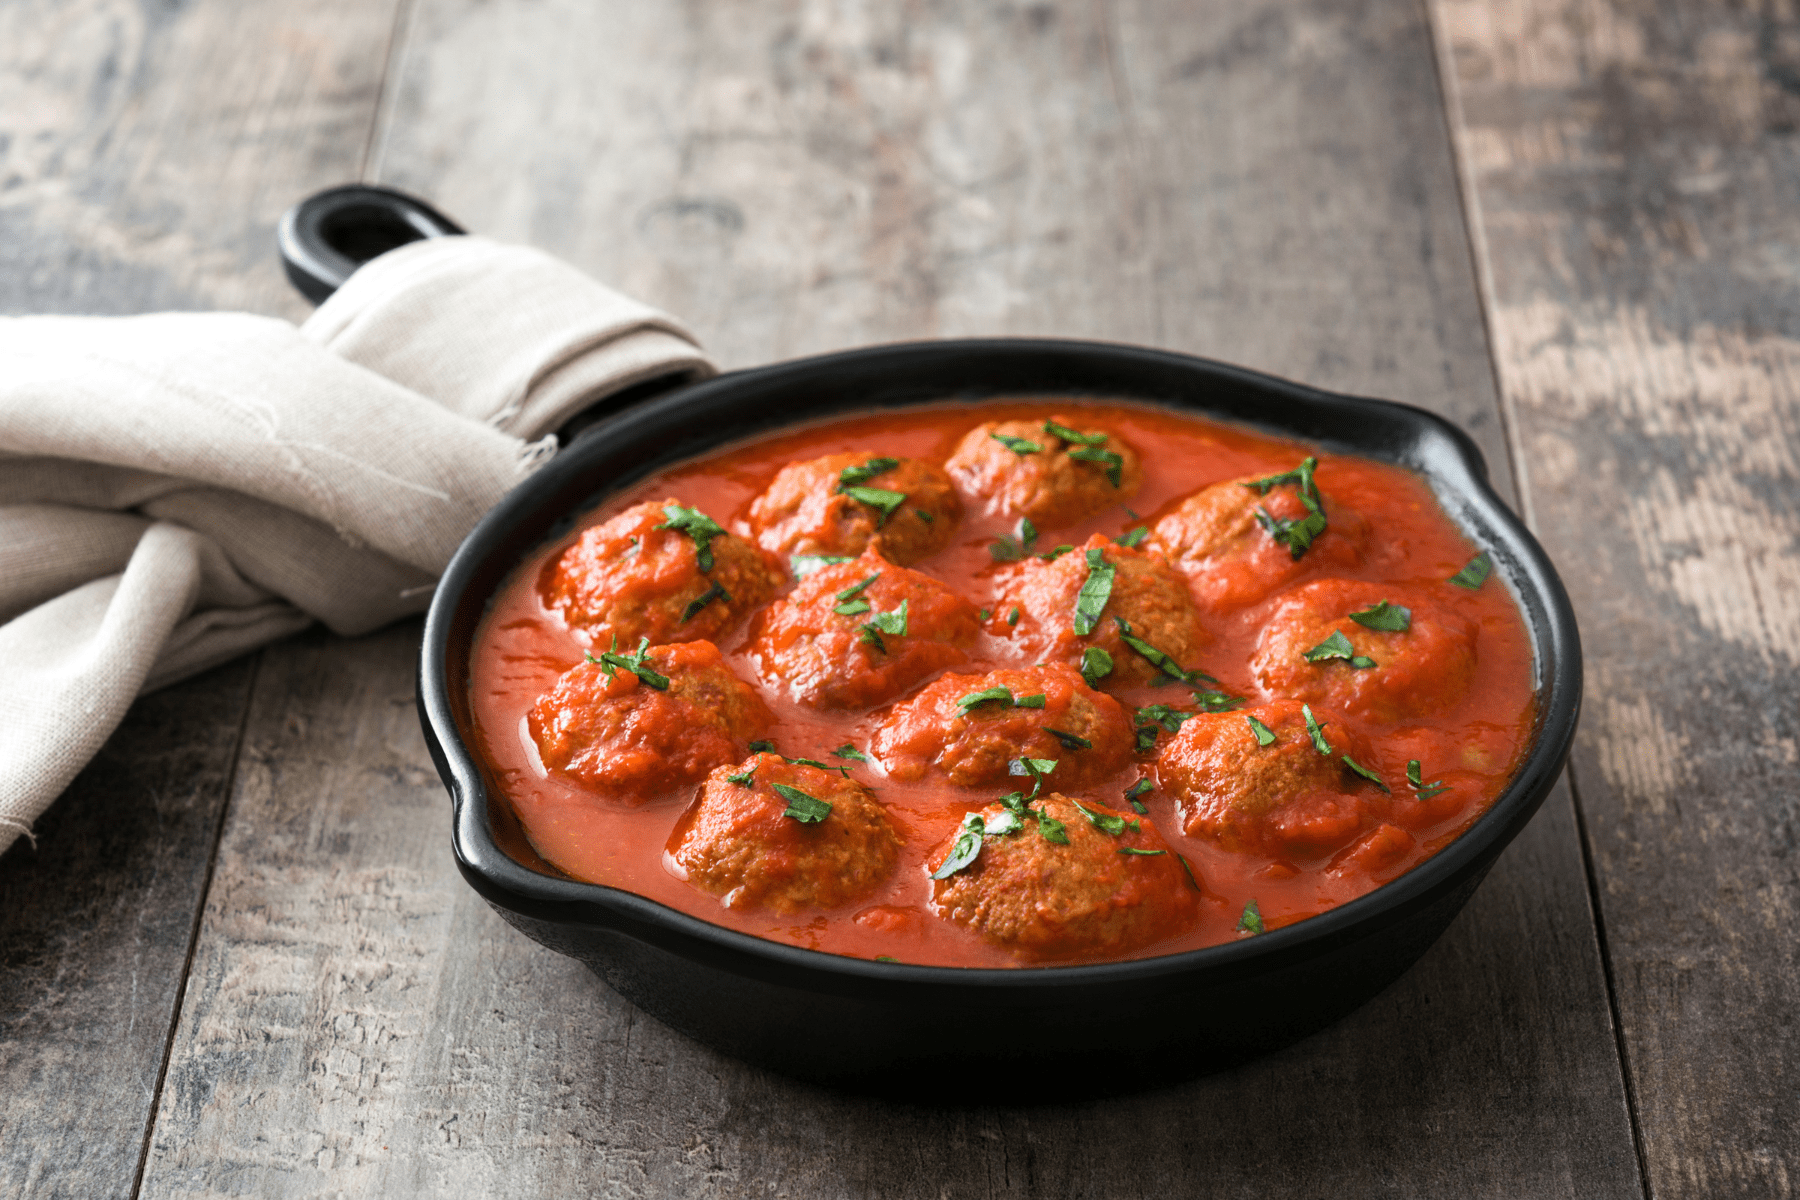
column 1405, row 435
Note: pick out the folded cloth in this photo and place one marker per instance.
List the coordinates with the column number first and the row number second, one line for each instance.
column 177, row 489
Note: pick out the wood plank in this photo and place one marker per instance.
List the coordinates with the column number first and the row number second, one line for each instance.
column 792, row 177
column 124, row 187
column 1636, row 166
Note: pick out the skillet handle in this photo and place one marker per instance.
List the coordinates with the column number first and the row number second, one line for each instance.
column 331, row 233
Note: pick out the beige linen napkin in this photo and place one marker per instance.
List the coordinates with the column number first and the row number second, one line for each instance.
column 179, row 488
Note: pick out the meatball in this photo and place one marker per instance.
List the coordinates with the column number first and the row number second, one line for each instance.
column 861, row 632
column 1028, row 469
column 657, row 571
column 754, row 847
column 1047, row 712
column 1379, row 674
column 1146, row 601
column 1087, row 895
column 1279, row 798
column 809, row 509
column 1232, row 560
column 611, row 724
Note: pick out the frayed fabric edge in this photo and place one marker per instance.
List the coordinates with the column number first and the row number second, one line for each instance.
column 23, row 828
column 533, row 455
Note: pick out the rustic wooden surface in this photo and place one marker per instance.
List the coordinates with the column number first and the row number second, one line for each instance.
column 1275, row 183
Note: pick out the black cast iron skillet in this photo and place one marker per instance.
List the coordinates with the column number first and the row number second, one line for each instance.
column 957, row 1034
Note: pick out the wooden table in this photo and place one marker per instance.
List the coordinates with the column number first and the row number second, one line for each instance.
column 239, row 960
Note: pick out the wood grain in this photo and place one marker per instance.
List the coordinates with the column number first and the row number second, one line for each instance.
column 126, row 186
column 1636, row 165
column 1270, row 183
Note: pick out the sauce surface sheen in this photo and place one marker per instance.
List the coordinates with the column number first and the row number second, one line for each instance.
column 522, row 647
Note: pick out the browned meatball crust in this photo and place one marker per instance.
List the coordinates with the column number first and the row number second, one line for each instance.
column 1024, row 469
column 1389, row 674
column 657, row 571
column 1047, row 712
column 1094, row 893
column 753, row 847
column 843, row 504
column 1146, row 602
column 637, row 733
column 1278, row 798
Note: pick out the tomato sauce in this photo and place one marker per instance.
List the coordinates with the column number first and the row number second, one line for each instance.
column 1475, row 744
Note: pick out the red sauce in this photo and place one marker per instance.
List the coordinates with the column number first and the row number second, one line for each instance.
column 1476, row 743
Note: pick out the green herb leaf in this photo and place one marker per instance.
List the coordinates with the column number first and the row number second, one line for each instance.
column 891, row 623
column 962, row 852
column 1104, row 822
column 742, row 778
column 1216, row 702
column 1251, row 921
column 1335, row 646
column 1264, row 735
column 1028, row 533
column 849, row 750
column 1115, row 465
column 1095, row 592
column 1071, row 436
column 1425, row 791
column 1056, row 552
column 983, row 615
column 1033, row 767
column 762, row 747
column 851, row 476
column 1475, row 573
column 1188, row 871
column 1007, row 549
column 985, row 696
column 715, row 592
column 1362, row 662
column 1036, row 701
column 877, row 498
column 1135, row 790
column 928, row 518
column 1301, row 475
column 1005, row 822
column 808, row 810
column 886, row 958
column 1132, row 538
column 1051, row 829
column 1069, row 741
column 1371, row 776
column 813, row 762
column 1152, row 717
column 855, row 590
column 1392, row 618
column 1297, row 536
column 1143, row 853
column 853, row 608
column 1017, row 445
column 1096, row 664
column 638, row 664
column 1316, row 728
column 803, row 565
column 1162, row 662
column 698, row 526
column 1012, row 618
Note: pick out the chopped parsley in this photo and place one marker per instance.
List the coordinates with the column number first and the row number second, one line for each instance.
column 803, row 565
column 1264, row 735
column 1367, row 774
column 1337, row 646
column 1425, row 790
column 1069, row 741
column 983, row 615
column 1012, row 549
column 1017, row 445
column 1095, row 592
column 1114, row 463
column 1151, row 717
column 1037, row 768
column 813, row 762
column 762, row 747
column 850, row 601
column 891, row 623
column 850, row 477
column 698, row 526
column 924, row 516
column 742, row 778
column 964, row 850
column 1295, row 535
column 1056, row 552
column 879, row 499
column 808, row 810
column 1073, row 437
column 848, row 750
column 1251, row 921
column 638, row 664
column 1134, row 791
column 886, row 958
column 1390, row 618
column 1012, row 618
column 1096, row 664
column 1051, row 829
column 999, row 695
column 852, row 608
column 1105, row 822
column 1216, row 702
column 1135, row 850
column 1475, row 573
column 1162, row 662
column 1132, row 537
column 715, row 592
column 1316, row 728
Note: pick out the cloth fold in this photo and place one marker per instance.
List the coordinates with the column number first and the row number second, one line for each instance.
column 179, row 488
